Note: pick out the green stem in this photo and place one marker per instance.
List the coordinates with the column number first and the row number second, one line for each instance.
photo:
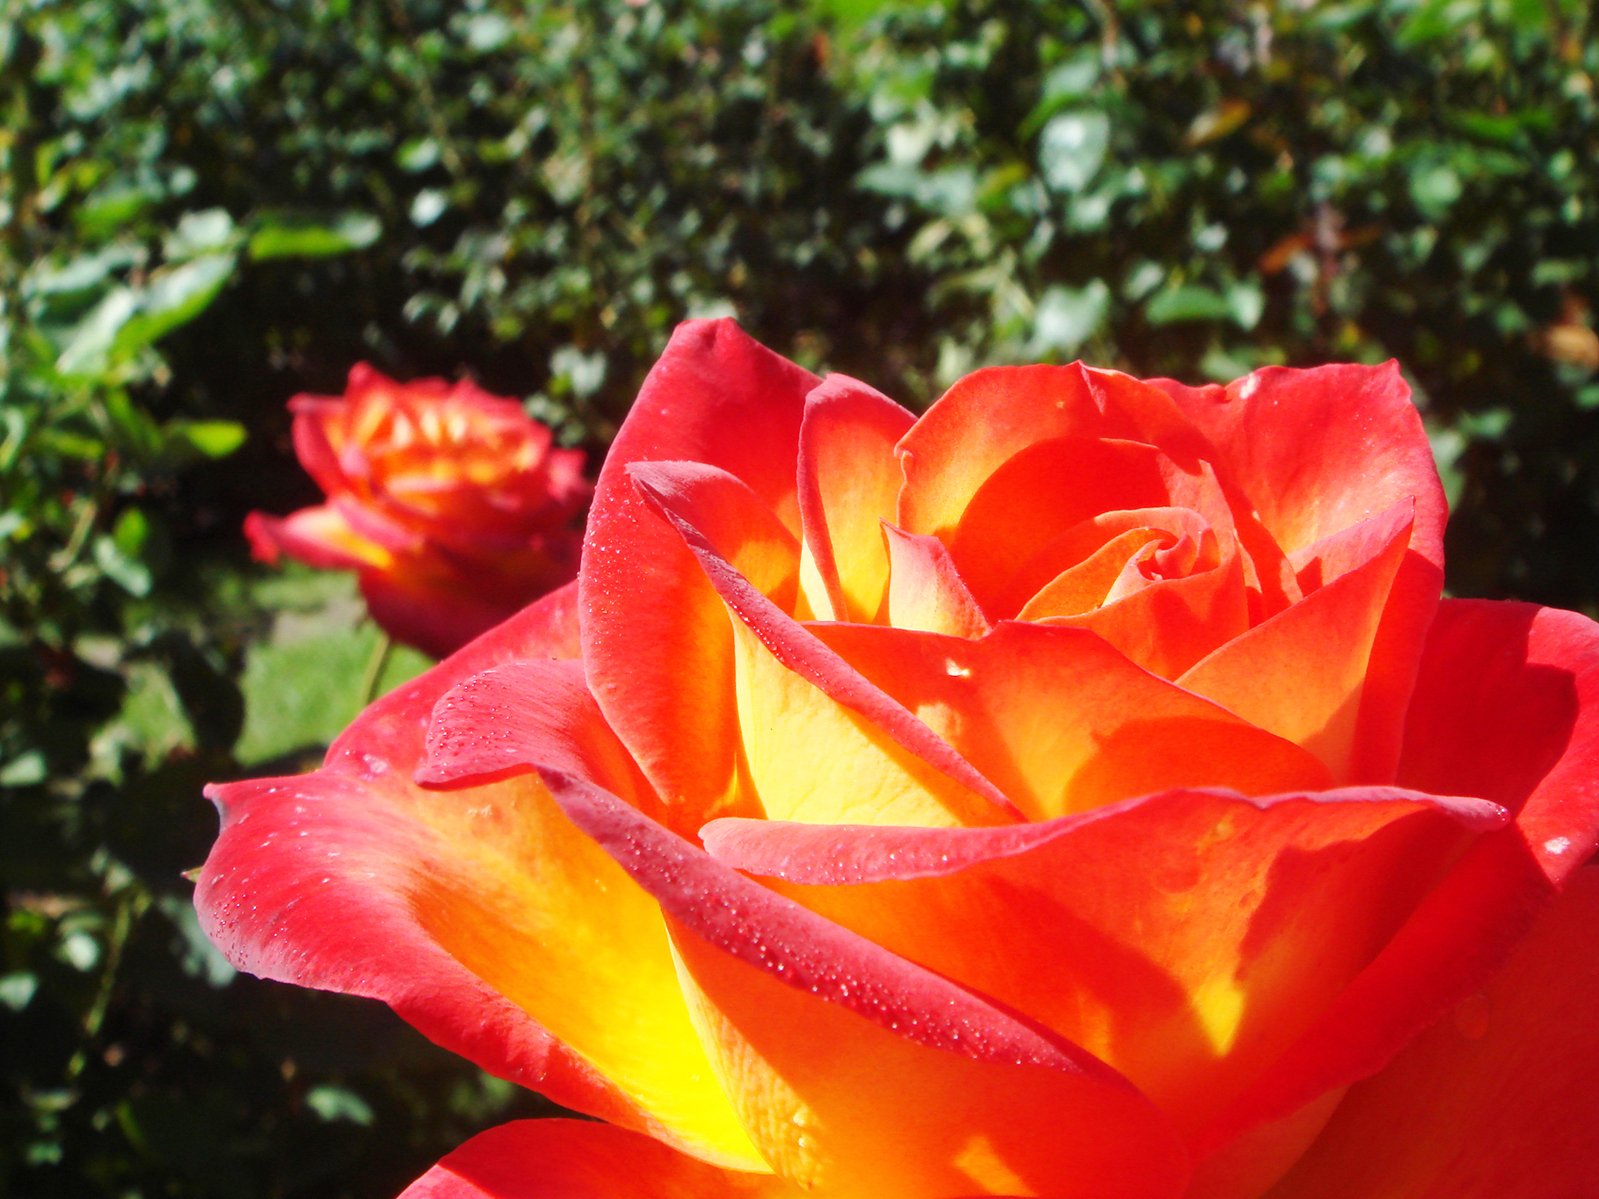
column 372, row 677
column 130, row 908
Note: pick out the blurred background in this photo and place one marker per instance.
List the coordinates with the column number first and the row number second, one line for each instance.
column 210, row 205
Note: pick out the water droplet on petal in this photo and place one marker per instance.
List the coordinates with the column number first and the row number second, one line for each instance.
column 1178, row 874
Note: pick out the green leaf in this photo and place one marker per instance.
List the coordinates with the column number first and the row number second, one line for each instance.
column 200, row 233
column 206, row 438
column 286, row 235
column 1246, row 304
column 1435, row 187
column 1069, row 316
column 128, row 573
column 332, row 1103
column 83, row 272
column 27, row 769
column 89, row 346
column 15, row 425
column 418, row 154
column 1431, row 21
column 487, row 31
column 1072, row 147
column 131, row 533
column 17, row 990
column 139, row 433
column 174, row 297
column 70, row 445
column 1188, row 302
column 113, row 207
column 427, row 206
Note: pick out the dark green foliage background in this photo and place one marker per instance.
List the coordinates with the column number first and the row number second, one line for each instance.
column 209, row 205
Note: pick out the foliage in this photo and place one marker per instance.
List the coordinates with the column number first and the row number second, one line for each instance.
column 208, row 207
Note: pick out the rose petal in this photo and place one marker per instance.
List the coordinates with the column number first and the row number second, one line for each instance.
column 1061, row 721
column 319, row 536
column 1507, row 707
column 1312, row 673
column 470, row 913
column 391, row 734
column 1504, row 708
column 925, row 591
column 1371, row 454
column 1497, row 1099
column 990, row 416
column 1163, row 624
column 574, row 1159
column 1371, row 451
column 1187, row 938
column 506, row 720
column 719, row 398
column 880, row 765
column 849, row 482
column 1021, row 519
column 406, row 603
column 320, row 437
column 735, row 522
column 860, row 1073
column 378, row 526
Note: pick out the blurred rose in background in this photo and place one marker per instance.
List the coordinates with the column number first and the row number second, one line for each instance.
column 451, row 503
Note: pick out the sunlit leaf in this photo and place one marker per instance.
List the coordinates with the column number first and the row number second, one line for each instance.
column 285, row 235
column 1071, row 148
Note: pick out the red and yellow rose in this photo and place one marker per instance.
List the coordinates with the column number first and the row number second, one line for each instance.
column 450, row 503
column 1078, row 791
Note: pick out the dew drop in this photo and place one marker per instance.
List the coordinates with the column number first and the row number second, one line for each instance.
column 1557, row 845
column 1177, row 875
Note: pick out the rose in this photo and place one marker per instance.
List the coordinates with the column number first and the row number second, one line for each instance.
column 1078, row 791
column 448, row 501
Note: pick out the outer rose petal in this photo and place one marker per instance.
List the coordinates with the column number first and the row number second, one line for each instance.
column 471, row 913
column 320, row 536
column 1500, row 1098
column 1186, row 938
column 320, row 436
column 862, row 1075
column 718, row 398
column 573, row 1159
column 1507, row 708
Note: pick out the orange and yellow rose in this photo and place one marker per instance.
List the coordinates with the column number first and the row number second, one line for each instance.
column 449, row 502
column 1080, row 790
